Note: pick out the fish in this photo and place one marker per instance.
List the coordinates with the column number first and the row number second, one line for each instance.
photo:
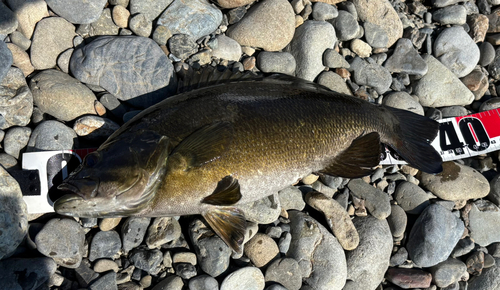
column 210, row 149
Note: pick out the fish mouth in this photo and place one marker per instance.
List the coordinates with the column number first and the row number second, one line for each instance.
column 87, row 188
column 70, row 204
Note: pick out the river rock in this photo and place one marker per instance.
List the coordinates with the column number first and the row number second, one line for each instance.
column 262, row 211
column 412, row 198
column 402, row 100
column 456, row 182
column 196, row 18
column 440, row 87
column 285, row 271
column 8, row 21
column 247, row 278
column 276, row 62
column 104, row 245
column 133, row 232
column 375, row 35
column 311, row 39
column 52, row 135
column 334, row 82
column 448, row 272
column 6, row 60
column 397, row 221
column 78, row 12
column 453, row 15
column 132, row 68
column 269, row 25
column 405, row 59
column 261, row 249
column 409, row 278
column 227, row 48
column 15, row 140
column 102, row 26
column 140, row 25
column 371, row 74
column 150, row 9
column 15, row 272
column 52, row 36
column 484, row 217
column 376, row 201
column 94, row 128
column 16, row 100
column 183, row 46
column 488, row 280
column 162, row 231
column 147, row 260
column 58, row 94
column 346, row 26
column 434, row 235
column 28, row 14
column 20, row 59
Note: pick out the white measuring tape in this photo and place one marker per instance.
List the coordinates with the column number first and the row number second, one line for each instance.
column 458, row 137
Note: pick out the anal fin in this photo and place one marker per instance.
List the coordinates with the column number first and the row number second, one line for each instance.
column 226, row 193
column 229, row 223
column 358, row 159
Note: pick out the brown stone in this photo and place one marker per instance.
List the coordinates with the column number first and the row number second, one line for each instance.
column 475, row 263
column 409, row 278
column 249, row 63
column 228, row 4
column 261, row 249
column 493, row 38
column 21, row 59
column 478, row 24
column 328, row 1
column 494, row 21
column 477, row 82
column 343, row 72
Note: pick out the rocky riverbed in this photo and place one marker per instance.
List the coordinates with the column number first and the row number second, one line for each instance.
column 72, row 72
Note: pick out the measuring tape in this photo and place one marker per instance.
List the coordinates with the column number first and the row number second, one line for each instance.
column 461, row 137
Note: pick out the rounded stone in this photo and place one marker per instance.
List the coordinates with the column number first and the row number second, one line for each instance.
column 484, row 217
column 334, row 82
column 107, row 224
column 397, row 221
column 15, row 140
column 28, row 14
column 487, row 52
column 402, row 100
column 361, row 48
column 203, row 282
column 162, row 231
column 276, row 62
column 346, row 26
column 227, row 48
column 120, row 16
column 412, row 198
column 448, row 272
column 324, row 11
column 78, row 12
column 140, row 25
column 133, row 232
column 20, row 59
column 104, row 265
column 285, row 271
column 52, row 135
column 247, row 278
column 453, row 15
column 8, row 21
column 104, row 245
column 94, row 127
column 150, row 9
column 261, row 249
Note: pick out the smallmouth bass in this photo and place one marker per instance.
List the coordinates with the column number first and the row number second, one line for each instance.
column 208, row 150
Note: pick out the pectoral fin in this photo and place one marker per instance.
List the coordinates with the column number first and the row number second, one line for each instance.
column 358, row 159
column 226, row 193
column 229, row 223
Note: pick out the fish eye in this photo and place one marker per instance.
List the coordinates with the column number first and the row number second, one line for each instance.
column 91, row 159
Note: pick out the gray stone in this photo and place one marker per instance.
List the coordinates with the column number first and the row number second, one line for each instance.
column 150, row 9
column 247, row 278
column 488, row 280
column 94, row 127
column 463, row 247
column 440, row 87
column 195, row 18
column 22, row 41
column 52, row 36
column 133, row 232
column 346, row 26
column 52, row 135
column 484, row 217
column 28, row 14
column 322, row 266
column 291, row 198
column 6, row 60
column 78, row 12
column 447, row 272
column 494, row 194
column 285, row 271
column 411, row 197
column 456, row 50
column 376, row 201
column 262, row 211
column 13, row 215
column 113, row 106
column 8, row 21
column 182, row 46
column 203, row 282
column 490, row 104
column 102, row 26
column 333, row 59
column 147, row 260
column 105, row 282
column 185, row 270
column 434, row 235
column 494, row 67
column 140, row 25
column 15, row 140
column 487, row 53
column 132, row 68
column 104, row 245
column 454, row 111
column 227, row 48
column 16, row 100
column 309, row 42
column 375, row 35
column 7, row 161
column 402, row 100
column 162, row 231
column 276, row 62
column 397, row 221
column 120, row 16
column 334, row 82
column 61, row 96
column 324, row 11
column 444, row 3
column 269, row 25
column 399, row 257
column 453, row 15
column 367, row 264
column 63, row 60
column 405, row 59
column 213, row 254
column 171, row 283
column 22, row 273
column 456, row 182
column 371, row 74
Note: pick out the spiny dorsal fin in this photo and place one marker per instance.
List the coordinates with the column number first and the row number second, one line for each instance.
column 226, row 193
column 206, row 144
column 229, row 223
column 191, row 79
column 358, row 159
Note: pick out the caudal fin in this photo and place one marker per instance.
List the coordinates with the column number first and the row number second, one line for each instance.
column 412, row 140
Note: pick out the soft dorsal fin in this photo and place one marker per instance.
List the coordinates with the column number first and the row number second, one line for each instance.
column 229, row 223
column 358, row 159
column 227, row 192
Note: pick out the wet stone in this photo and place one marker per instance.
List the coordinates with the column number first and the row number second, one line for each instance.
column 52, row 135
column 147, row 260
column 133, row 232
column 162, row 231
column 104, row 245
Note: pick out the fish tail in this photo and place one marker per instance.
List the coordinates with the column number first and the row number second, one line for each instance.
column 412, row 138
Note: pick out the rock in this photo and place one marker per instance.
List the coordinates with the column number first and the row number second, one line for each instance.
column 440, row 87
column 409, row 278
column 399, row 257
column 334, row 82
column 16, row 100
column 227, row 48
column 247, row 278
column 447, row 272
column 269, row 25
column 376, row 201
column 276, row 62
column 489, row 279
column 104, row 265
column 434, row 235
column 147, row 260
column 182, row 46
column 140, row 25
column 456, row 50
column 487, row 52
column 6, row 60
column 185, row 270
column 346, row 26
column 58, row 94
column 367, row 264
column 121, row 16
column 195, row 18
column 261, row 249
column 15, row 140
column 15, row 272
column 456, row 182
column 63, row 60
column 478, row 24
column 7, row 161
column 262, row 211
column 203, row 282
column 483, row 221
column 112, row 105
column 477, row 82
column 375, row 35
column 133, row 231
column 213, row 254
column 463, row 247
column 324, row 11
column 104, row 245
column 13, row 215
column 149, row 9
column 361, row 48
column 94, row 127
column 454, row 15
column 119, row 73
column 19, row 59
column 337, row 218
column 162, row 231
column 371, row 74
column 404, row 101
column 285, row 271
column 381, row 13
column 52, row 36
column 20, row 40
column 405, row 59
column 333, row 59
column 233, row 3
column 51, row 135
column 107, row 224
column 323, row 266
column 291, row 198
column 8, row 21
column 411, row 197
column 102, row 26
column 105, row 282
column 28, row 14
column 76, row 11
column 397, row 221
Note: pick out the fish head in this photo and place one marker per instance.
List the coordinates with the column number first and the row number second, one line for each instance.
column 118, row 179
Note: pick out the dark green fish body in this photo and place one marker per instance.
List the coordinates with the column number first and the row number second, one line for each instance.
column 208, row 150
